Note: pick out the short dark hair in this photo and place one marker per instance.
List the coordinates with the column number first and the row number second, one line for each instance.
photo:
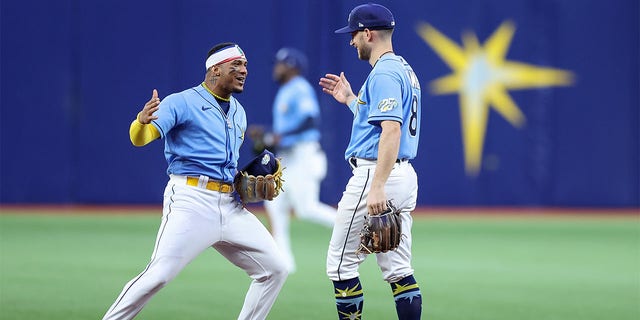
column 219, row 46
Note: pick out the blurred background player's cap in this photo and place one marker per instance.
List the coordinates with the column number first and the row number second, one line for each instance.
column 293, row 58
column 369, row 16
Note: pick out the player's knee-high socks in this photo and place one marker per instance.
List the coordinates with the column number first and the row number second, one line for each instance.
column 349, row 298
column 408, row 298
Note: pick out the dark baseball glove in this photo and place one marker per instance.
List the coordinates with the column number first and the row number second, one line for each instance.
column 381, row 233
column 259, row 180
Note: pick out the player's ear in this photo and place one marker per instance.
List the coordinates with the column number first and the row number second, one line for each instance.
column 215, row 71
column 367, row 33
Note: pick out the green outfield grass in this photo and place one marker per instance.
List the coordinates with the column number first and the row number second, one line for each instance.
column 72, row 266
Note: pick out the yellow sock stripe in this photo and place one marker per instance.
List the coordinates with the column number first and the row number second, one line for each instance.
column 400, row 288
column 348, row 292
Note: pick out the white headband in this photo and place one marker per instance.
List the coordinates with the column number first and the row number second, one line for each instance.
column 225, row 55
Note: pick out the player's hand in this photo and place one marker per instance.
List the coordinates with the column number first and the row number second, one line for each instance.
column 146, row 115
column 338, row 87
column 376, row 201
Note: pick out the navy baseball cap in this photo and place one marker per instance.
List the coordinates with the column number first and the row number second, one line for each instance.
column 292, row 57
column 369, row 16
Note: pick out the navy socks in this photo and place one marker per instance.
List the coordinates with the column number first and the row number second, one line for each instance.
column 408, row 298
column 349, row 299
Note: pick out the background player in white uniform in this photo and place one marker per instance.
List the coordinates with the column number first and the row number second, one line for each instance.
column 384, row 137
column 203, row 128
column 296, row 140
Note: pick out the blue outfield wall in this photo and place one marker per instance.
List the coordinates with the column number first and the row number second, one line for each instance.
column 540, row 107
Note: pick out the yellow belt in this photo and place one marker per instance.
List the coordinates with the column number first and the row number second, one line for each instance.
column 212, row 185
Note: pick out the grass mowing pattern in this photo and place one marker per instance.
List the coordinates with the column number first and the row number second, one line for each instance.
column 59, row 266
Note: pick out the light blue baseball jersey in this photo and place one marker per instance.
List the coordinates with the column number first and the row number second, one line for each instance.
column 294, row 103
column 200, row 139
column 391, row 92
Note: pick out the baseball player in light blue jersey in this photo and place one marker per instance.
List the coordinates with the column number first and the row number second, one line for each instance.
column 203, row 128
column 384, row 138
column 296, row 138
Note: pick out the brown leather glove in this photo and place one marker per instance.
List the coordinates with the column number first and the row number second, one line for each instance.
column 381, row 233
column 254, row 184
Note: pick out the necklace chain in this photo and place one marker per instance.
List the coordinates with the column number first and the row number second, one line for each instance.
column 380, row 57
column 215, row 95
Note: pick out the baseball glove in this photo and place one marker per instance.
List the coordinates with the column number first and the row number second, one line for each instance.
column 381, row 233
column 259, row 180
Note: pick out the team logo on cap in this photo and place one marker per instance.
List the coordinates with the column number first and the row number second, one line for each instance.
column 265, row 160
column 387, row 104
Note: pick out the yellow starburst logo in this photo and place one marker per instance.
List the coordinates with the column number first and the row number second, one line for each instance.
column 348, row 292
column 482, row 77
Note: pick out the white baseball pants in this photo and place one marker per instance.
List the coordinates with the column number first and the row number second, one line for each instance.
column 195, row 219
column 402, row 189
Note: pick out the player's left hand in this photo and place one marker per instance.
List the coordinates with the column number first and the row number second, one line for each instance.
column 376, row 201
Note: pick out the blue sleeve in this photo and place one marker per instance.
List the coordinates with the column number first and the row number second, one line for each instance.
column 353, row 106
column 385, row 98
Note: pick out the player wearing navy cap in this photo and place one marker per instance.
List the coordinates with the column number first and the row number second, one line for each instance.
column 296, row 138
column 384, row 138
column 203, row 128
